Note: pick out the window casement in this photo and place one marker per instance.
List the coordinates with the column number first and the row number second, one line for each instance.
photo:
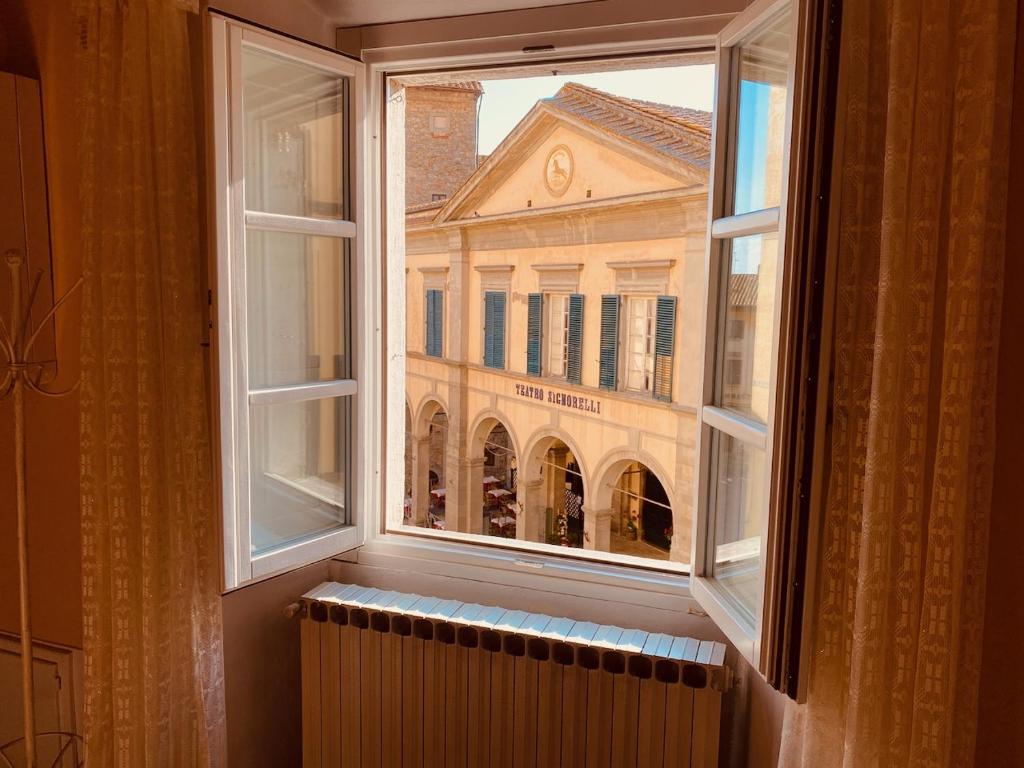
column 285, row 128
column 554, row 327
column 558, row 336
column 638, row 349
column 747, row 267
column 647, row 344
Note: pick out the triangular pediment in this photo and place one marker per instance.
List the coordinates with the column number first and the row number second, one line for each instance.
column 554, row 160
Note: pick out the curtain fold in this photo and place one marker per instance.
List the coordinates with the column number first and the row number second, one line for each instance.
column 923, row 132
column 150, row 537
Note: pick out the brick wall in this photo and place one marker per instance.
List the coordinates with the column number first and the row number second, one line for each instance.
column 439, row 158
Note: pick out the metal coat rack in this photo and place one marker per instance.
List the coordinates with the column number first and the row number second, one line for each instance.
column 20, row 373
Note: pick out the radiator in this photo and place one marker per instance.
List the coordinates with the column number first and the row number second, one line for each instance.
column 393, row 679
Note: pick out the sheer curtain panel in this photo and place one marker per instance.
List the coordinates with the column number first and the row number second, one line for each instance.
column 923, row 134
column 150, row 531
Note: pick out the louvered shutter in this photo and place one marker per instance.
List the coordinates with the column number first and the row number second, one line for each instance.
column 664, row 346
column 608, row 378
column 574, row 355
column 488, row 329
column 534, row 332
column 494, row 329
column 435, row 323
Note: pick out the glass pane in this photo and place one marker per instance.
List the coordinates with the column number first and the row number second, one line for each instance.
column 739, row 510
column 294, row 136
column 298, row 463
column 747, row 330
column 297, row 308
column 558, row 334
column 761, row 123
column 640, row 344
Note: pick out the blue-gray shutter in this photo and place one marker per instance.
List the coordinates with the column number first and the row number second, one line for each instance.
column 664, row 346
column 534, row 329
column 608, row 370
column 494, row 329
column 435, row 323
column 574, row 363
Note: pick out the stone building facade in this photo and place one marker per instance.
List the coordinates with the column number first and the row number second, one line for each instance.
column 593, row 209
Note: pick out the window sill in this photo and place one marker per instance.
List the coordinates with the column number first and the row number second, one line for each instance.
column 533, row 571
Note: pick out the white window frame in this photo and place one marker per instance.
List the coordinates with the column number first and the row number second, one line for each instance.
column 553, row 345
column 374, row 494
column 627, row 334
column 724, row 227
column 229, row 221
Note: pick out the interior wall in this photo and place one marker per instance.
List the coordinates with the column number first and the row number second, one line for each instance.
column 1001, row 699
column 35, row 41
column 262, row 676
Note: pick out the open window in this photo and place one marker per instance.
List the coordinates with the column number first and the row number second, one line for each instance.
column 286, row 155
column 617, row 267
column 747, row 268
column 571, row 348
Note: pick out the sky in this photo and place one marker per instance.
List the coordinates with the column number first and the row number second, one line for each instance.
column 505, row 102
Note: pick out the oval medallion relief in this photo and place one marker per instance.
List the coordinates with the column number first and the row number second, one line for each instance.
column 558, row 170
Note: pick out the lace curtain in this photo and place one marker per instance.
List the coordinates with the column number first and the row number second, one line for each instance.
column 150, row 563
column 923, row 127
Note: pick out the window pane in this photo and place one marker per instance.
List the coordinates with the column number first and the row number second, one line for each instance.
column 558, row 329
column 294, row 136
column 298, row 464
column 749, row 316
column 739, row 510
column 297, row 308
column 640, row 344
column 761, row 123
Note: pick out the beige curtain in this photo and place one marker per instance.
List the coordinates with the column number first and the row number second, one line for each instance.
column 153, row 666
column 923, row 128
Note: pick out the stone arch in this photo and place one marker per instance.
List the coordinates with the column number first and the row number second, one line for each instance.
column 539, row 491
column 422, row 502
column 607, row 479
column 488, row 512
column 539, row 443
column 611, row 467
column 484, row 422
column 428, row 408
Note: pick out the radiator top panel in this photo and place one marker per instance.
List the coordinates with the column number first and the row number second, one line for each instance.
column 669, row 659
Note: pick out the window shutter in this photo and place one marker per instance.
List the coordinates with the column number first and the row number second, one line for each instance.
column 609, row 341
column 494, row 329
column 488, row 328
column 574, row 363
column 435, row 323
column 534, row 328
column 664, row 345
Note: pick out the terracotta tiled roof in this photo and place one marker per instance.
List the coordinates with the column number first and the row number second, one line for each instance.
column 681, row 133
column 469, row 85
column 743, row 290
